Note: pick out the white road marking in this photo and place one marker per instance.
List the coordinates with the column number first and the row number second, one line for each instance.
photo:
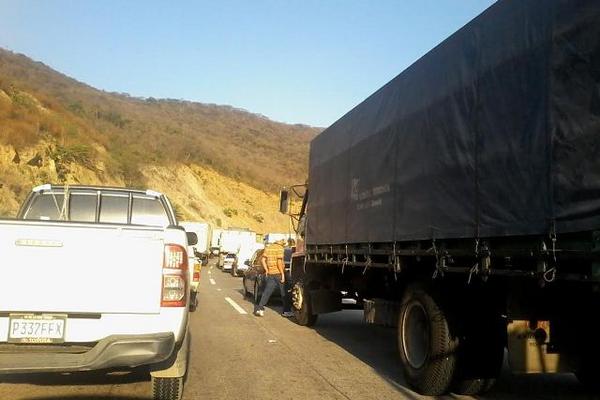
column 212, row 281
column 219, row 289
column 235, row 305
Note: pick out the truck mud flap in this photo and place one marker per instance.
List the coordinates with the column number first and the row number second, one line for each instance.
column 325, row 301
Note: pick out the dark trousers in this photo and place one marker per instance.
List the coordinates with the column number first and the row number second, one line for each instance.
column 270, row 282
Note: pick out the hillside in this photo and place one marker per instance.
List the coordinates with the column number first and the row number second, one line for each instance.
column 216, row 163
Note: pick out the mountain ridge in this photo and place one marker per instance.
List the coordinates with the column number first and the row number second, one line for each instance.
column 76, row 131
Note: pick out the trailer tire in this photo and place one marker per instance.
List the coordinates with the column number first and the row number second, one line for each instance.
column 427, row 347
column 480, row 356
column 303, row 314
column 588, row 375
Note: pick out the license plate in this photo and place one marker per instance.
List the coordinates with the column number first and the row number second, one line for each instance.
column 37, row 328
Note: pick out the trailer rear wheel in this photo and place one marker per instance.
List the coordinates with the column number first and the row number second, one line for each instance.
column 480, row 356
column 427, row 348
column 302, row 305
column 588, row 375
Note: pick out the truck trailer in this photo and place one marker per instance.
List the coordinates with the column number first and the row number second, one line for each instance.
column 240, row 242
column 461, row 202
column 204, row 232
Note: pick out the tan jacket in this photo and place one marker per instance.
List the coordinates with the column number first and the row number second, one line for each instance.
column 274, row 256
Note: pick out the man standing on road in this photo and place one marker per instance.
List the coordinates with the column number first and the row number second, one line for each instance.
column 272, row 262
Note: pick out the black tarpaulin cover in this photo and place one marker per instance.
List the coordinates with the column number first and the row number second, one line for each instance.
column 494, row 132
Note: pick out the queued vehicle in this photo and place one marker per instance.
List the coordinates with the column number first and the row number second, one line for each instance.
column 195, row 268
column 135, row 313
column 203, row 231
column 245, row 256
column 229, row 262
column 462, row 200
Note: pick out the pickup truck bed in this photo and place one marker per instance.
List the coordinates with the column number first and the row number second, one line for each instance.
column 95, row 278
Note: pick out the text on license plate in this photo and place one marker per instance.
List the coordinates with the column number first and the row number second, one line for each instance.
column 25, row 328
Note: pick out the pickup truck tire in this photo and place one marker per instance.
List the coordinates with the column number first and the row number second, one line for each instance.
column 167, row 388
column 427, row 347
column 302, row 305
column 168, row 377
column 193, row 301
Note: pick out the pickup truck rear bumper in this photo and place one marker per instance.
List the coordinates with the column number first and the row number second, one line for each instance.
column 110, row 352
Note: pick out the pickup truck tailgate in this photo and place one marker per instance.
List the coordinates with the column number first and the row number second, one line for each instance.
column 70, row 268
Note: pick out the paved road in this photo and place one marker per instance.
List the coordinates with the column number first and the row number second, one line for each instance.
column 236, row 355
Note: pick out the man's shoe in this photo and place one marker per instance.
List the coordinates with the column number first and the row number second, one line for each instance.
column 259, row 313
column 287, row 314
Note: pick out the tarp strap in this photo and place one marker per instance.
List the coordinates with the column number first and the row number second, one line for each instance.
column 368, row 260
column 439, row 262
column 367, row 264
column 550, row 274
column 345, row 260
column 304, row 264
column 475, row 268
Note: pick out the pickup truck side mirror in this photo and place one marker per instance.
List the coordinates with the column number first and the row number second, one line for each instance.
column 284, row 201
column 192, row 238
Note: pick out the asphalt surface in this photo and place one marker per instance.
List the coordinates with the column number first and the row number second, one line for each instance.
column 237, row 355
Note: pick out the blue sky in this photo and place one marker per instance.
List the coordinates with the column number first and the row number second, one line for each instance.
column 304, row 61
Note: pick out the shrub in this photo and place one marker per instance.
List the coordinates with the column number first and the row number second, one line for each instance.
column 230, row 212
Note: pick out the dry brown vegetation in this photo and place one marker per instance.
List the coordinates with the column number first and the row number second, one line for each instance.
column 55, row 129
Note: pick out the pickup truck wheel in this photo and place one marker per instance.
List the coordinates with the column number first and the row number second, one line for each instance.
column 427, row 348
column 167, row 388
column 168, row 377
column 193, row 301
column 480, row 356
column 302, row 306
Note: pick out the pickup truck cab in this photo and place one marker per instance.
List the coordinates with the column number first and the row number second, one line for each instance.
column 95, row 278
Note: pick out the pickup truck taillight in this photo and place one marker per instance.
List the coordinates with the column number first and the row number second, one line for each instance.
column 196, row 276
column 174, row 285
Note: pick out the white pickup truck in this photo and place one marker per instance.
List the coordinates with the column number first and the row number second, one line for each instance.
column 95, row 278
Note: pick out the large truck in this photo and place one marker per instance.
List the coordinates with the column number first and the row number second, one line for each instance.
column 215, row 247
column 240, row 242
column 204, row 232
column 462, row 201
